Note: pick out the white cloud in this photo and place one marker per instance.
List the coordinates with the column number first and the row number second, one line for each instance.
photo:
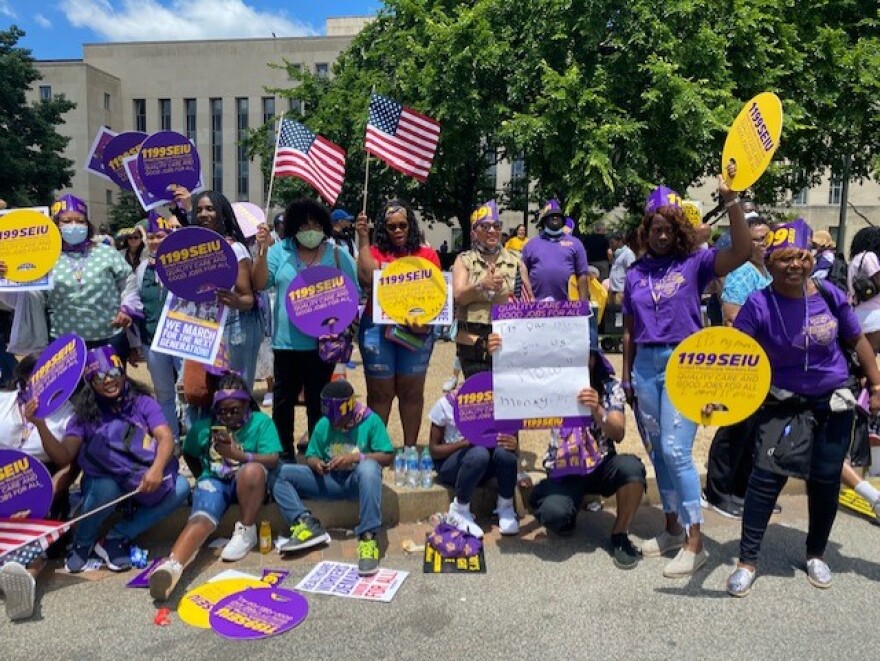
column 6, row 9
column 155, row 20
column 42, row 21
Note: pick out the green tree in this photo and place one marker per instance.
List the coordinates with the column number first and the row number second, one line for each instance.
column 30, row 147
column 125, row 212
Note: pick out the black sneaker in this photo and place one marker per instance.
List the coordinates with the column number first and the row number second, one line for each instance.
column 625, row 555
column 304, row 534
column 729, row 510
column 368, row 556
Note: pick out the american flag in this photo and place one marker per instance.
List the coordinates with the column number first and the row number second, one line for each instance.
column 312, row 158
column 18, row 533
column 403, row 138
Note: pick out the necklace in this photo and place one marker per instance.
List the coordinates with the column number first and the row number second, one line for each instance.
column 76, row 266
column 299, row 265
column 804, row 330
column 655, row 293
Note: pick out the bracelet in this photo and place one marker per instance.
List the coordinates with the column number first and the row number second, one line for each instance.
column 249, row 457
column 729, row 204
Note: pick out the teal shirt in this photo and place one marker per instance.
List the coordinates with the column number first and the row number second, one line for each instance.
column 283, row 265
column 258, row 436
column 369, row 436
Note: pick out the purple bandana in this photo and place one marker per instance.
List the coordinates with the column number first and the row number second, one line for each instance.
column 101, row 360
column 69, row 202
column 450, row 542
column 223, row 395
column 662, row 196
column 156, row 223
column 345, row 412
column 487, row 213
column 796, row 234
column 576, row 454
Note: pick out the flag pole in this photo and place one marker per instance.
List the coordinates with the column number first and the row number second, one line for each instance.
column 366, row 184
column 274, row 156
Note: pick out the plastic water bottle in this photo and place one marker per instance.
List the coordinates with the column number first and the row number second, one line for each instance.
column 399, row 468
column 426, row 469
column 412, row 468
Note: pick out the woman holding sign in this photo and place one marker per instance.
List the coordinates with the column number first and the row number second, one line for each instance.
column 804, row 427
column 661, row 307
column 392, row 369
column 298, row 363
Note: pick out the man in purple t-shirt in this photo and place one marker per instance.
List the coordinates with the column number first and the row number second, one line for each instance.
column 553, row 257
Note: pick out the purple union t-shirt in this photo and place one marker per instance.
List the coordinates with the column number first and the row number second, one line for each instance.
column 551, row 263
column 663, row 296
column 784, row 338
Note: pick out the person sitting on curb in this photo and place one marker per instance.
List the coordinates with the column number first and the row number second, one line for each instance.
column 344, row 461
column 464, row 467
column 597, row 468
column 231, row 454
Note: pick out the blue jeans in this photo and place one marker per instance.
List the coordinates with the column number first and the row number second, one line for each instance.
column 163, row 372
column 669, row 436
column 243, row 344
column 293, row 482
column 467, row 468
column 383, row 359
column 99, row 491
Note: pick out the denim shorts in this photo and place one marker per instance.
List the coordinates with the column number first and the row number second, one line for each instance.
column 384, row 358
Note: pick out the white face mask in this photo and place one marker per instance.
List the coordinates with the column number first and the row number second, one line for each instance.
column 310, row 239
column 74, row 235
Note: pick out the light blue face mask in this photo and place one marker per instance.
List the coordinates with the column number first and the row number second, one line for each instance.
column 74, row 235
column 553, row 233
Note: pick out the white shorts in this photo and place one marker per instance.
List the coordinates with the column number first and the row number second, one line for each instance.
column 869, row 318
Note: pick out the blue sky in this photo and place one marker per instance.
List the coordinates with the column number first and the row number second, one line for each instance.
column 56, row 29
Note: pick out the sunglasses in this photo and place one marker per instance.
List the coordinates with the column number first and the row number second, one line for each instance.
column 112, row 373
column 393, row 227
column 489, row 226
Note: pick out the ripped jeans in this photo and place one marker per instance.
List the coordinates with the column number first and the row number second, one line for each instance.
column 668, row 435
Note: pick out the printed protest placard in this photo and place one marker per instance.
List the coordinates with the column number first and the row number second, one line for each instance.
column 25, row 486
column 116, row 151
column 543, row 361
column 190, row 330
column 30, row 244
column 196, row 605
column 752, row 140
column 253, row 614
column 411, row 290
column 434, row 563
column 342, row 580
column 474, row 412
column 321, row 300
column 57, row 373
column 95, row 158
column 195, row 262
column 444, row 318
column 167, row 160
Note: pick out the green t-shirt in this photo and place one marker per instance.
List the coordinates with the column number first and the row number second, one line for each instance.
column 369, row 436
column 258, row 436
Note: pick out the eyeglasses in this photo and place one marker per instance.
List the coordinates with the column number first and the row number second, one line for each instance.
column 112, row 373
column 393, row 227
column 229, row 412
column 489, row 226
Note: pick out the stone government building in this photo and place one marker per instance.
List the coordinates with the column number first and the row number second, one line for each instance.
column 212, row 91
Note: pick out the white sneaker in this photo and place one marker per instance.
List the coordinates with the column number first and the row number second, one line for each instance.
column 508, row 523
column 267, row 400
column 243, row 540
column 460, row 516
column 449, row 384
column 20, row 589
column 662, row 544
column 164, row 579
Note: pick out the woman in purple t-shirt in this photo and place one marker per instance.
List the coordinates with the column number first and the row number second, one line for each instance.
column 661, row 307
column 804, row 427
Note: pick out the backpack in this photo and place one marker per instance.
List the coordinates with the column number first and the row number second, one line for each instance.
column 124, row 452
column 837, row 272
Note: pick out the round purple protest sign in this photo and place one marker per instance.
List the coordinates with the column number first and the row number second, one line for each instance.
column 195, row 262
column 474, row 412
column 25, row 486
column 321, row 300
column 117, row 150
column 168, row 159
column 57, row 373
column 258, row 613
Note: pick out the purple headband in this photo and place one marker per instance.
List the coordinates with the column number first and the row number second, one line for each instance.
column 336, row 409
column 551, row 208
column 69, row 202
column 223, row 395
column 101, row 359
column 662, row 196
column 486, row 213
column 156, row 223
column 796, row 234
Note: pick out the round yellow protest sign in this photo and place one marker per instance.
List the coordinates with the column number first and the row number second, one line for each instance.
column 195, row 606
column 692, row 212
column 411, row 291
column 718, row 376
column 752, row 140
column 30, row 244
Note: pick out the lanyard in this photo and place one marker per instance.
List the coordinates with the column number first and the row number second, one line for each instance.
column 655, row 293
column 76, row 265
column 804, row 328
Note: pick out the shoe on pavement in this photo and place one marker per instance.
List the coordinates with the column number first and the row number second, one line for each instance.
column 449, row 384
column 304, row 534
column 777, row 508
column 115, row 552
column 728, row 510
column 661, row 544
column 508, row 523
column 685, row 563
column 77, row 558
column 164, row 579
column 243, row 540
column 460, row 516
column 876, row 507
column 20, row 589
column 624, row 553
column 267, row 400
column 739, row 583
column 368, row 556
column 818, row 573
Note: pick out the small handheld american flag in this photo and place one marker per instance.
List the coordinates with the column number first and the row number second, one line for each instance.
column 311, row 157
column 403, row 138
column 16, row 534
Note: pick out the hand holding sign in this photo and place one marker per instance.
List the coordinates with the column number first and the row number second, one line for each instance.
column 753, row 139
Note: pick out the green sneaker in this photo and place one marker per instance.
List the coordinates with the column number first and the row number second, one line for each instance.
column 368, row 557
column 304, row 534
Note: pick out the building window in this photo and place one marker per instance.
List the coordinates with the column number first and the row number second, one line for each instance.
column 518, row 167
column 799, row 198
column 217, row 144
column 140, row 114
column 268, row 109
column 241, row 110
column 491, row 157
column 189, row 108
column 106, row 101
column 835, row 190
column 164, row 114
column 296, row 107
column 322, row 70
column 45, row 92
column 108, row 196
column 293, row 67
